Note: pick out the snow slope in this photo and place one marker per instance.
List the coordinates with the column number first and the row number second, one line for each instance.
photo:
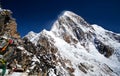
column 83, row 49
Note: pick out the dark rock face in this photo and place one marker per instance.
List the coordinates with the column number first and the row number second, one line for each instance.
column 44, row 52
column 103, row 49
column 29, row 46
column 114, row 36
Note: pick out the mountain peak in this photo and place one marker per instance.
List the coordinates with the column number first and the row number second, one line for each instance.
column 71, row 24
column 71, row 18
column 75, row 48
column 68, row 13
column 73, row 15
column 30, row 35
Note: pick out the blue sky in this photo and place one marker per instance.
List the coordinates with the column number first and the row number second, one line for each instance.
column 36, row 15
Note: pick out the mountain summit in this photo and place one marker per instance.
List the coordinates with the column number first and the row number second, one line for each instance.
column 74, row 47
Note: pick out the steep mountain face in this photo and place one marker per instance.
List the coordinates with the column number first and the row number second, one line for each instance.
column 75, row 48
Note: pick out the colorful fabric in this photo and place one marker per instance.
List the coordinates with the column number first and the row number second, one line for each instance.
column 10, row 41
column 2, row 61
column 3, row 66
column 2, row 43
column 3, row 70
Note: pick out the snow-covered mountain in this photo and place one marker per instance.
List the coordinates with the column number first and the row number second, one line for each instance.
column 73, row 47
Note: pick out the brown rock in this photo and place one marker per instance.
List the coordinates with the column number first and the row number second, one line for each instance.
column 8, row 24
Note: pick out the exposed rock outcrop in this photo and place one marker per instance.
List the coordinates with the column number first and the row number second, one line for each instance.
column 8, row 24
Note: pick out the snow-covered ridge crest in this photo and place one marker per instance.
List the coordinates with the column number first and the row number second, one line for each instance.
column 67, row 17
column 34, row 37
column 71, row 14
column 30, row 35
